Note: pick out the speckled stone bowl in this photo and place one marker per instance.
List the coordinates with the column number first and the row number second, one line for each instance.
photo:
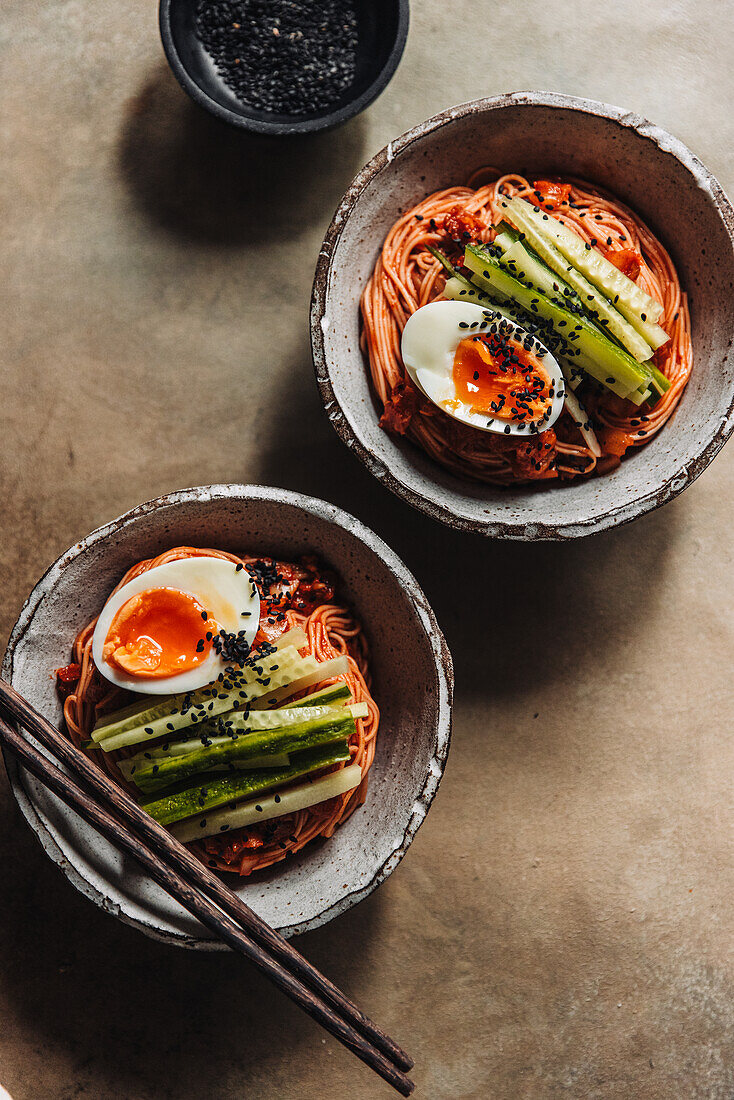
column 413, row 683
column 536, row 133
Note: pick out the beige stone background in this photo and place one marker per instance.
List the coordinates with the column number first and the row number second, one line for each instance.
column 563, row 924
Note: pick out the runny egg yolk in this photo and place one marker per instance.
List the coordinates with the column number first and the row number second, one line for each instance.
column 159, row 632
column 502, row 378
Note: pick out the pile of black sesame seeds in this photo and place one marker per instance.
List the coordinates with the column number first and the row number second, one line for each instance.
column 291, row 57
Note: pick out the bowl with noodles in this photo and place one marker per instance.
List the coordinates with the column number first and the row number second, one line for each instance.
column 519, row 316
column 264, row 675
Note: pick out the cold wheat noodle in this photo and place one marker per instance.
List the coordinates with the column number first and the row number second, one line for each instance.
column 407, row 276
column 331, row 631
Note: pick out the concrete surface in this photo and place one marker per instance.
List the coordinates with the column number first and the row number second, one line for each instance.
column 562, row 925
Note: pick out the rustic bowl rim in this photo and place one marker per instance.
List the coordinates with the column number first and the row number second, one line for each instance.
column 428, row 623
column 308, row 124
column 350, row 434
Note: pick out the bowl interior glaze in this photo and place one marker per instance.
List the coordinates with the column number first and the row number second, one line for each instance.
column 412, row 683
column 535, row 134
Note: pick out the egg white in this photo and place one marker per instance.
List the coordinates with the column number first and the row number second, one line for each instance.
column 429, row 342
column 219, row 587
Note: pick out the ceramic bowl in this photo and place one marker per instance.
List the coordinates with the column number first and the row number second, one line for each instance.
column 383, row 29
column 538, row 134
column 413, row 683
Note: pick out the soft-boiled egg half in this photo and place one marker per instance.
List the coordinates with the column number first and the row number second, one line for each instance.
column 482, row 368
column 155, row 634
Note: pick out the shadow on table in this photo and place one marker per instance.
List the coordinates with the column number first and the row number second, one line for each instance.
column 141, row 1017
column 208, row 182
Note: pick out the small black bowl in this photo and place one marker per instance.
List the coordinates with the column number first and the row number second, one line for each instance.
column 382, row 31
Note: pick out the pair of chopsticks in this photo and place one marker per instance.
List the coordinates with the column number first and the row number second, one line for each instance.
column 110, row 810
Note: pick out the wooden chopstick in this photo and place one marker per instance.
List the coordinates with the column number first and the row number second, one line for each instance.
column 180, row 873
column 200, row 906
column 157, row 837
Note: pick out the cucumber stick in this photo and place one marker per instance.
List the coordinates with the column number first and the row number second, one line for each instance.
column 279, row 760
column 648, row 330
column 593, row 265
column 156, row 775
column 658, row 380
column 299, row 797
column 324, row 670
column 256, row 722
column 221, row 730
column 459, row 289
column 592, row 300
column 295, row 636
column 506, row 237
column 332, row 693
column 599, row 357
column 529, row 268
column 200, row 798
column 177, row 712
